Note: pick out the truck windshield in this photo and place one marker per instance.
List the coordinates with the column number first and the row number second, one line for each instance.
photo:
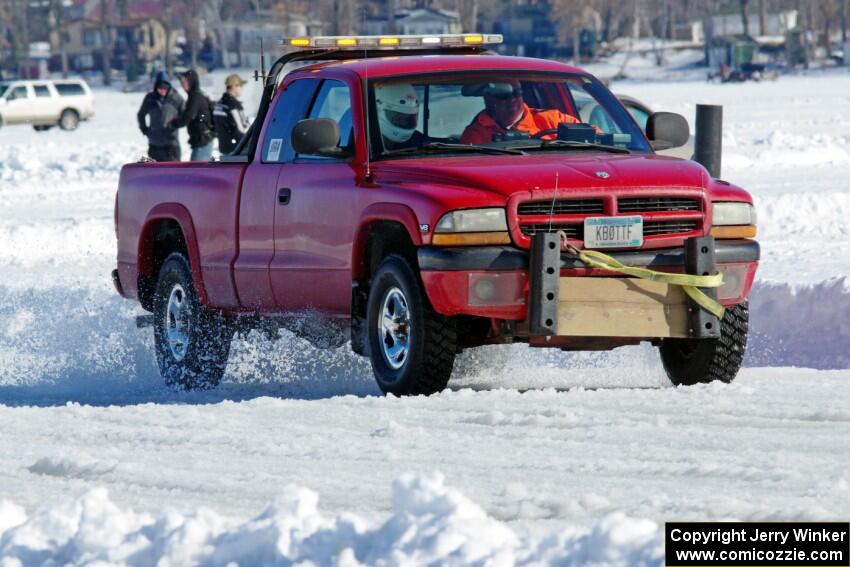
column 3, row 89
column 561, row 113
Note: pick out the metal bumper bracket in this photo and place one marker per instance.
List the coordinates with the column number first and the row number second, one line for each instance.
column 545, row 282
column 700, row 261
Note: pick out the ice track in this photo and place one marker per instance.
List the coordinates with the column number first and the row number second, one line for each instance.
column 552, row 458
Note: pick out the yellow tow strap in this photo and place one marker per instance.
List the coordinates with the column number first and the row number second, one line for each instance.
column 690, row 283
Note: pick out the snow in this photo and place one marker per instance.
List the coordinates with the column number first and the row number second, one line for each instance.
column 429, row 524
column 534, row 457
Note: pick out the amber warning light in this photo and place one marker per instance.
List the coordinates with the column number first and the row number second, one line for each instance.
column 392, row 41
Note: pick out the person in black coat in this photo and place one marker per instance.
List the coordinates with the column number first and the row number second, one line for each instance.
column 196, row 117
column 159, row 109
column 229, row 115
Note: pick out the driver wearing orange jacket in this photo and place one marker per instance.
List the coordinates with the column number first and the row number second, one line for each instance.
column 505, row 110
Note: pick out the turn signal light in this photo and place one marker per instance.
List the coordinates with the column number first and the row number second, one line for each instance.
column 744, row 231
column 470, row 238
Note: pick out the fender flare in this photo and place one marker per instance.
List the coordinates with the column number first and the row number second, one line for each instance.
column 181, row 215
column 381, row 212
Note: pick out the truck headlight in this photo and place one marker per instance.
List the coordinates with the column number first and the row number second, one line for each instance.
column 725, row 214
column 733, row 220
column 472, row 227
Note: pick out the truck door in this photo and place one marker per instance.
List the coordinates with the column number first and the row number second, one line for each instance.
column 315, row 230
column 262, row 200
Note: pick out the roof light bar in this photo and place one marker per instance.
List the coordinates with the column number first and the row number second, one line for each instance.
column 392, row 41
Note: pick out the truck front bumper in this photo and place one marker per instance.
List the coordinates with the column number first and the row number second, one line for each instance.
column 493, row 281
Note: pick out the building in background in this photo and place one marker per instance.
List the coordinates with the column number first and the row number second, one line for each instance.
column 241, row 39
column 419, row 21
column 139, row 38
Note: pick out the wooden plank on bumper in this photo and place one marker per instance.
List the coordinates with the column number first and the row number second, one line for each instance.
column 621, row 307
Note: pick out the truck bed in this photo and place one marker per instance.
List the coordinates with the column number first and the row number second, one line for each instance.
column 204, row 197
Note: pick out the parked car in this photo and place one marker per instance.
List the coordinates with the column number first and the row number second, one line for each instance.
column 45, row 104
column 641, row 113
column 359, row 199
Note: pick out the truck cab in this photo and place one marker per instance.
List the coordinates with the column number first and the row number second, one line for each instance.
column 428, row 196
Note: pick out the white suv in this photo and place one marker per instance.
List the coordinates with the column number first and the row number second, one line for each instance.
column 45, row 104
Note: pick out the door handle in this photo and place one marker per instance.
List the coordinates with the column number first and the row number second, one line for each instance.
column 283, row 195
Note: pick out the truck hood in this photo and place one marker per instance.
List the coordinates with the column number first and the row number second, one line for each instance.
column 507, row 174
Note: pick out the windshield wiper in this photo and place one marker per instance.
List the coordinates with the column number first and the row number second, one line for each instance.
column 437, row 147
column 554, row 144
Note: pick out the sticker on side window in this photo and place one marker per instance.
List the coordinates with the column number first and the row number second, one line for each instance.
column 274, row 149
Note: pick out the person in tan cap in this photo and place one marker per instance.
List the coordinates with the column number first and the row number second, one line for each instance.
column 229, row 115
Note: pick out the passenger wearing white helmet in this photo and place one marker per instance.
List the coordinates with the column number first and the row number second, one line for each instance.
column 398, row 115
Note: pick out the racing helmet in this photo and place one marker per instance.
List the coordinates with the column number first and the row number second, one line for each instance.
column 398, row 110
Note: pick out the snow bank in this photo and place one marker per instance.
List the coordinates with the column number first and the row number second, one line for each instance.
column 429, row 524
column 782, row 149
column 800, row 325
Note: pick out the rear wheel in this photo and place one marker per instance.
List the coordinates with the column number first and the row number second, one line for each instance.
column 69, row 119
column 192, row 344
column 412, row 347
column 690, row 362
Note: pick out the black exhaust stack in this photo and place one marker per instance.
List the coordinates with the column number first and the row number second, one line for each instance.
column 708, row 148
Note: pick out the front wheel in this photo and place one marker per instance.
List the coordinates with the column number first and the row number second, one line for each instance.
column 192, row 344
column 69, row 119
column 690, row 362
column 412, row 347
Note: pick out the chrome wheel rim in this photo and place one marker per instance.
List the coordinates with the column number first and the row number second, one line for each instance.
column 177, row 327
column 394, row 329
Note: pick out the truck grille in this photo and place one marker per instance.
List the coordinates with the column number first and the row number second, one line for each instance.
column 664, row 216
column 656, row 204
column 562, row 207
column 576, row 231
column 573, row 230
column 653, row 228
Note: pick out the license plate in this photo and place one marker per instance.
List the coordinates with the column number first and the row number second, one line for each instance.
column 613, row 232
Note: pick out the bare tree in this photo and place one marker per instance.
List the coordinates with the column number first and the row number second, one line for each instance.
column 167, row 24
column 829, row 12
column 57, row 29
column 468, row 10
column 762, row 17
column 745, row 16
column 21, row 31
column 106, row 41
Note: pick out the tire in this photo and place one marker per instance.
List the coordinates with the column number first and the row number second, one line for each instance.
column 690, row 362
column 192, row 344
column 42, row 127
column 413, row 353
column 69, row 119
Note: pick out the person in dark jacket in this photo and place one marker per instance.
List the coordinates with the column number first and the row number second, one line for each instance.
column 196, row 117
column 159, row 109
column 229, row 115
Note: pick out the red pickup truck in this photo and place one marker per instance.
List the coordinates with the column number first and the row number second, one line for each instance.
column 419, row 193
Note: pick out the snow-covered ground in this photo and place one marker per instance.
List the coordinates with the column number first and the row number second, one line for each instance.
column 539, row 458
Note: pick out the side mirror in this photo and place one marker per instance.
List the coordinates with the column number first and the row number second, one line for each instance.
column 667, row 130
column 317, row 137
